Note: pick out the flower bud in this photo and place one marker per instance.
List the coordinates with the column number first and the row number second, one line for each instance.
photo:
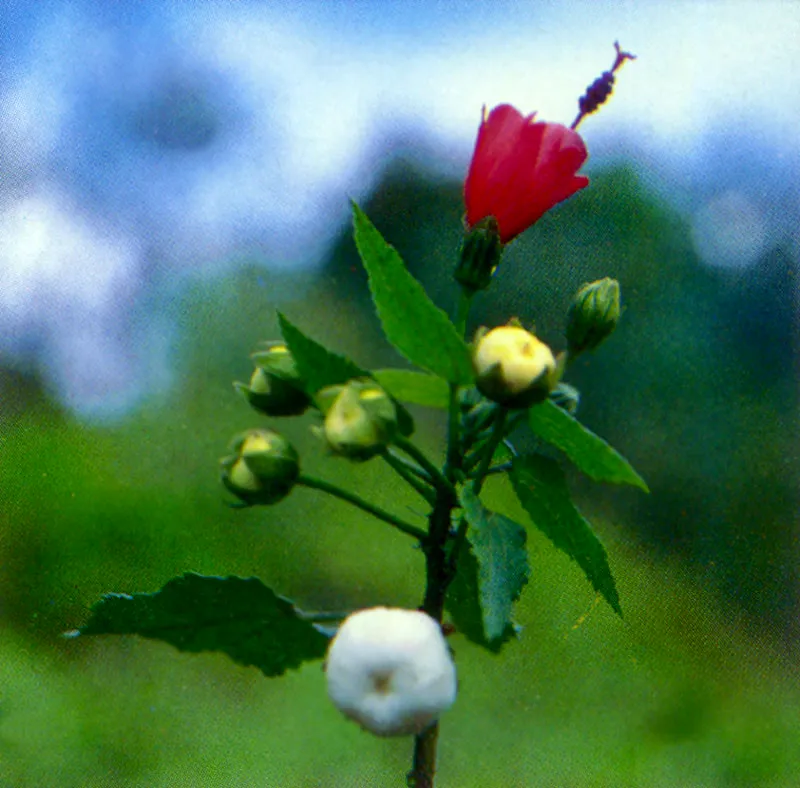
column 593, row 315
column 390, row 670
column 513, row 367
column 360, row 418
column 275, row 387
column 481, row 251
column 262, row 468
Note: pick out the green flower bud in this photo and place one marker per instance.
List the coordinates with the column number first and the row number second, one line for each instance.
column 262, row 468
column 360, row 418
column 513, row 367
column 275, row 387
column 481, row 251
column 593, row 315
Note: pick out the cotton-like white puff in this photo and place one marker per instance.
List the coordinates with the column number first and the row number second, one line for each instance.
column 390, row 670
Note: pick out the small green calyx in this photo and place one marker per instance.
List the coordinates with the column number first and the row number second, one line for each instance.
column 480, row 255
column 513, row 367
column 566, row 397
column 593, row 315
column 275, row 388
column 262, row 467
column 360, row 418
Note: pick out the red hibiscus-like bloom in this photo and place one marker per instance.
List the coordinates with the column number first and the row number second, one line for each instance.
column 521, row 169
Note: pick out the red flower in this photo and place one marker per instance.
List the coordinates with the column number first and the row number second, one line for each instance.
column 521, row 169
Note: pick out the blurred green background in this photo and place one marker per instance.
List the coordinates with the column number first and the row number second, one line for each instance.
column 698, row 388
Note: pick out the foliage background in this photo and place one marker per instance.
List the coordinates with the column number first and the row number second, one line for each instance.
column 698, row 388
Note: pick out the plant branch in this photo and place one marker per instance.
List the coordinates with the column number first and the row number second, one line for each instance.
column 400, row 467
column 438, row 566
column 437, row 477
column 357, row 500
column 489, row 449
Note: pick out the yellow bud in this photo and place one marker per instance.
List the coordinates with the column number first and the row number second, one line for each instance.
column 513, row 367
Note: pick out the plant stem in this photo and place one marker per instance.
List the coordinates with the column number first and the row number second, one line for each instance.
column 399, row 466
column 424, row 768
column 489, row 449
column 462, row 312
column 438, row 577
column 454, row 450
column 484, row 470
column 438, row 568
column 357, row 500
column 437, row 477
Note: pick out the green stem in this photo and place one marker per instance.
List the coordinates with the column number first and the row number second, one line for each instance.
column 454, row 448
column 495, row 469
column 489, row 449
column 462, row 312
column 357, row 500
column 399, row 466
column 321, row 616
column 437, row 477
column 410, row 466
column 438, row 566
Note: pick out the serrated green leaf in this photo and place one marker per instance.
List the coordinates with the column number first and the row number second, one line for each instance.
column 590, row 453
column 411, row 321
column 319, row 367
column 542, row 490
column 491, row 573
column 419, row 388
column 240, row 617
column 463, row 602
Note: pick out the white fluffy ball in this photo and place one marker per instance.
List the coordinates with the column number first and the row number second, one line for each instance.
column 391, row 671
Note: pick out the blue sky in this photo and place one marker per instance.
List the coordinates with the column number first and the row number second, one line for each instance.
column 177, row 136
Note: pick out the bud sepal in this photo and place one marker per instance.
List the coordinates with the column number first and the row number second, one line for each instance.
column 275, row 387
column 480, row 255
column 262, row 467
column 593, row 315
column 360, row 418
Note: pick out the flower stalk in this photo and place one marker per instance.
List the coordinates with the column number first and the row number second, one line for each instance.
column 356, row 500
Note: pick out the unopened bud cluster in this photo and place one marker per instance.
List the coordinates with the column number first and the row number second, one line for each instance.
column 359, row 422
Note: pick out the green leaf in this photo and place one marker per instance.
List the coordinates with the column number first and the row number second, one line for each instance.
column 542, row 490
column 411, row 321
column 319, row 367
column 590, row 453
column 419, row 388
column 492, row 570
column 240, row 617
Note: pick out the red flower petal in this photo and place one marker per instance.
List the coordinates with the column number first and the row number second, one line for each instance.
column 520, row 169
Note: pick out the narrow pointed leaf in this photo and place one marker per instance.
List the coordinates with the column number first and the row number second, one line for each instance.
column 419, row 388
column 320, row 367
column 590, row 453
column 411, row 321
column 237, row 616
column 542, row 490
column 491, row 573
